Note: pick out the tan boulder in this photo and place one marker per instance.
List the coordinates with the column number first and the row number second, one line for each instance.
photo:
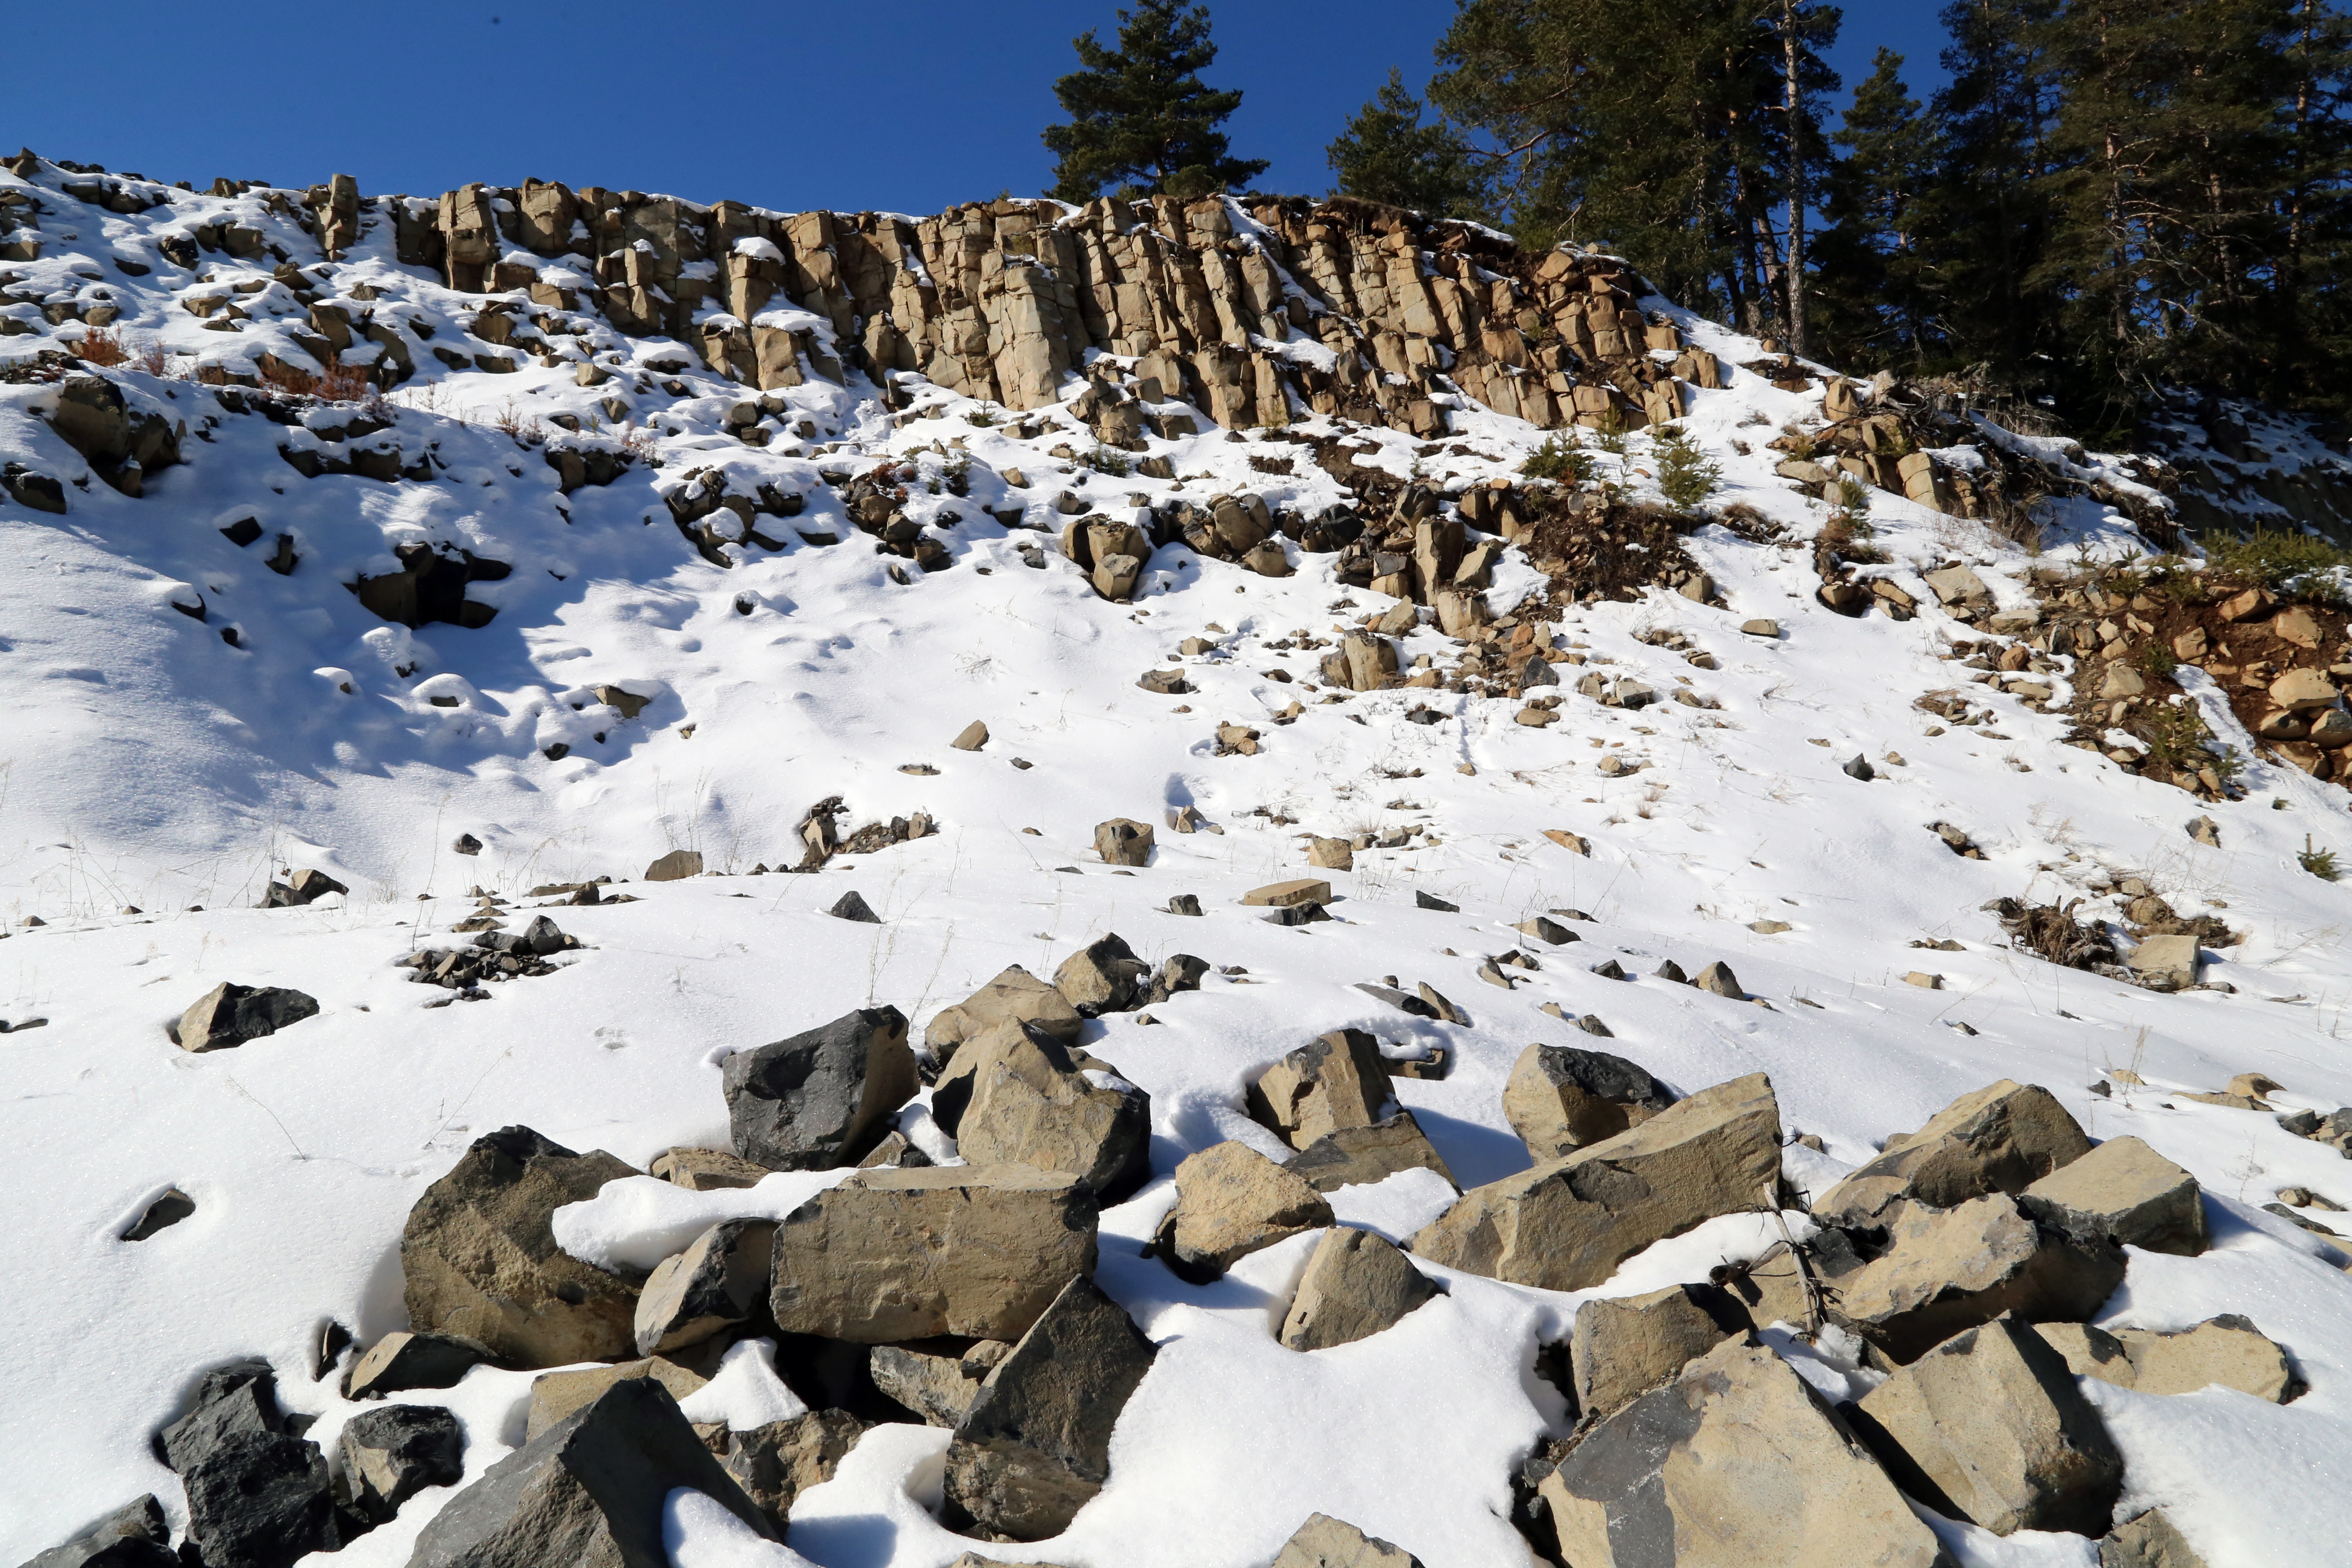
column 2227, row 1349
column 2301, row 690
column 936, row 1379
column 1331, row 854
column 715, row 1283
column 2000, row 1139
column 479, row 1257
column 1122, row 841
column 2151, row 1541
column 1734, row 1465
column 1559, row 1099
column 1232, row 1201
column 1623, row 1346
column 1349, row 1156
column 1282, row 895
column 2166, row 963
column 556, row 1394
column 1566, row 1225
column 972, row 1250
column 707, row 1169
column 776, row 1463
column 1028, row 1100
column 1991, row 1427
column 973, row 736
column 2126, row 1192
column 1015, row 994
column 1327, row 1542
column 1948, row 1270
column 1355, row 1285
column 1338, row 1080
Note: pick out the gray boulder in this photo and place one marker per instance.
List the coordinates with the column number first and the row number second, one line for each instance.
column 1035, row 1445
column 135, row 1535
column 230, row 1014
column 2122, row 1191
column 262, row 1500
column 675, row 867
column 588, row 1489
column 823, row 1097
column 852, row 906
column 239, row 1400
column 2001, row 1139
column 388, row 1454
column 479, row 1260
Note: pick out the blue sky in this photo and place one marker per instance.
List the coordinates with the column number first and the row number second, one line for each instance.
column 906, row 107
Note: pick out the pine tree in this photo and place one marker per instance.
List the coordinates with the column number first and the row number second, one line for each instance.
column 1386, row 154
column 1141, row 121
column 1874, row 308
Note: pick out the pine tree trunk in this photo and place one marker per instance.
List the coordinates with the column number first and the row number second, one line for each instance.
column 1794, row 272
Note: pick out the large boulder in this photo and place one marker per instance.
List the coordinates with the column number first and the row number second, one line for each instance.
column 1104, row 977
column 1351, row 1156
column 1231, row 1200
column 1338, row 1080
column 590, row 1489
column 1026, row 1098
column 1015, row 994
column 1327, row 1542
column 1623, row 1346
column 822, row 1097
column 2228, row 1350
column 480, row 1258
column 556, row 1394
column 1355, row 1285
column 1991, row 1427
column 1035, row 1445
column 238, row 1400
column 262, row 1500
column 2125, row 1191
column 2001, row 1139
column 719, row 1281
column 1948, row 1270
column 1566, row 1225
column 1559, row 1099
column 978, row 1251
column 135, row 1535
column 1736, row 1463
column 388, row 1453
column 230, row 1014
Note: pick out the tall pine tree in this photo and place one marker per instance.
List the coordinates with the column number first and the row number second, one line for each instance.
column 1870, row 281
column 1141, row 121
column 1388, row 154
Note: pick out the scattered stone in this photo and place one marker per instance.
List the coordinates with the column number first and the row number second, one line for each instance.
column 556, row 1394
column 852, row 906
column 1297, row 915
column 1544, row 928
column 2228, row 1349
column 1561, row 1099
column 2165, row 963
column 1019, row 1096
column 2208, row 832
column 2000, row 1139
column 1349, row 1156
column 1282, row 895
column 1566, row 1225
column 1948, row 1270
column 776, row 1463
column 1858, row 767
column 231, row 1015
column 719, row 1281
column 823, row 1097
column 1232, row 1201
column 1990, row 1427
column 1340, row 1080
column 1185, row 904
column 676, row 866
column 974, row 736
column 481, row 1261
column 1623, row 1346
column 1123, row 841
column 1327, row 1542
column 466, row 844
column 1576, row 843
column 2125, row 1191
column 387, row 1454
column 1331, row 854
column 305, row 887
column 404, row 1359
column 1421, row 900
column 1035, row 1445
column 166, row 1211
column 971, row 1250
column 1761, row 627
column 1716, row 979
column 590, row 1489
column 707, row 1169
column 1104, row 977
column 1737, row 1462
column 1015, row 994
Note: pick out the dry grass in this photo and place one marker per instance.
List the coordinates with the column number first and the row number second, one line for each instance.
column 100, row 347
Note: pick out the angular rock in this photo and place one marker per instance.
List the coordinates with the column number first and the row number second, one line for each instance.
column 2166, row 961
column 1566, row 1225
column 1035, row 1445
column 1990, row 1427
column 719, row 1281
column 1559, row 1099
column 2125, row 1191
column 556, row 1394
column 1421, row 900
column 404, row 1360
column 590, row 1489
column 1028, row 1100
column 1280, row 895
column 1623, row 1346
column 1349, row 1156
column 2088, row 1352
column 2151, row 1541
column 936, row 1379
column 1948, row 1270
column 1181, row 973
column 820, row 1098
column 1717, row 979
column 707, row 1169
column 2228, row 1349
column 852, row 906
column 1231, row 1200
column 675, row 867
column 2000, row 1139
column 1122, row 841
column 1104, row 977
column 387, row 1454
column 230, row 1014
column 974, row 736
column 169, row 1209
column 135, row 1535
column 1734, row 1465
column 1327, row 1542
column 1015, row 993
column 889, row 1256
column 1544, row 928
column 776, row 1463
column 262, row 1500
column 480, row 1258
column 1338, row 1080
column 232, row 1402
column 1355, row 1285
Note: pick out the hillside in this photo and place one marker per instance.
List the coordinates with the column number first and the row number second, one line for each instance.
column 386, row 572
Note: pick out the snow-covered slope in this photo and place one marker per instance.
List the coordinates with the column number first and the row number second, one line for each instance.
column 188, row 725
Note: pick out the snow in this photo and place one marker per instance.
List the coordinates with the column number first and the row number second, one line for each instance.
column 148, row 762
